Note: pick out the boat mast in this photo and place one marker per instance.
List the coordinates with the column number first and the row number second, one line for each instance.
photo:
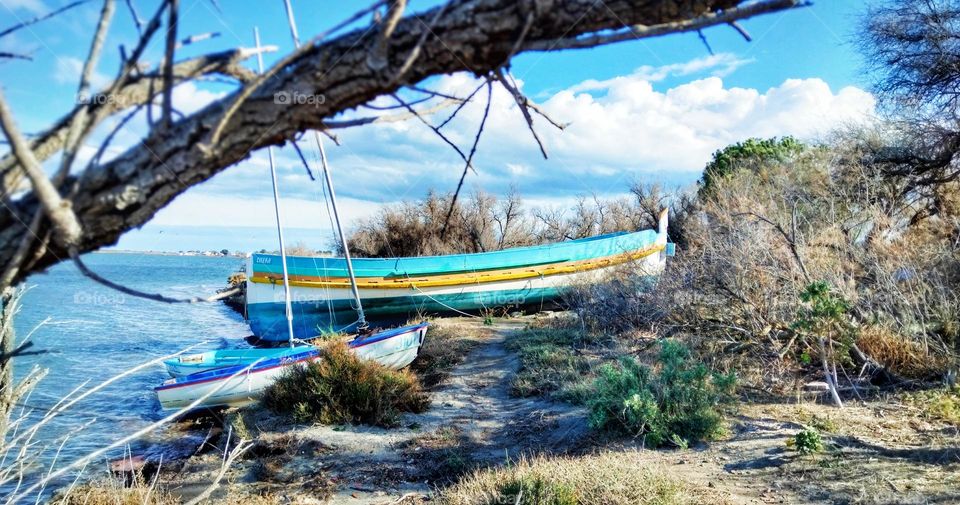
column 361, row 319
column 276, row 208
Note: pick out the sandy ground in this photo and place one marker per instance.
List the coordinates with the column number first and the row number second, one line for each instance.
column 877, row 452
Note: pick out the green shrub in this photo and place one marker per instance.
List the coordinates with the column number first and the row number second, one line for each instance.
column 678, row 400
column 342, row 388
column 808, row 441
column 536, row 489
column 750, row 154
column 549, row 365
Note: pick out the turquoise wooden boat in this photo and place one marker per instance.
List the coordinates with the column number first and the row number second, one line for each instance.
column 394, row 289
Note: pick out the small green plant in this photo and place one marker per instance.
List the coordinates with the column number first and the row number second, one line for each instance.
column 342, row 388
column 678, row 400
column 534, row 489
column 808, row 441
column 938, row 404
column 823, row 319
column 550, row 365
column 679, row 441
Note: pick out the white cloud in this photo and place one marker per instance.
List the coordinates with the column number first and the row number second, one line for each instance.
column 715, row 65
column 68, row 71
column 620, row 131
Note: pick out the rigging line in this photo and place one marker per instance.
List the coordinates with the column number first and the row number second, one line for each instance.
column 424, row 293
column 326, row 201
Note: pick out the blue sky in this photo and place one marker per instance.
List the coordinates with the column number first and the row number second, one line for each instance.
column 649, row 111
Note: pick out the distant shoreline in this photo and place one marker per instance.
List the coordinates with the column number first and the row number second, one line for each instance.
column 201, row 254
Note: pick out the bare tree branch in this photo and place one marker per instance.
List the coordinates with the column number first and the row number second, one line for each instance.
column 468, row 164
column 138, row 91
column 57, row 209
column 724, row 16
column 44, row 17
column 522, row 105
column 127, row 191
column 171, row 47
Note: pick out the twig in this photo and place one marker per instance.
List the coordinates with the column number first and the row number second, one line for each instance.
column 389, row 118
column 437, row 93
column 44, row 17
column 467, row 166
column 741, row 30
column 139, row 294
column 58, row 210
column 377, row 59
column 303, row 160
column 521, row 103
column 15, row 56
column 706, row 43
column 415, row 52
column 459, row 107
column 726, row 16
column 436, row 129
column 136, row 17
column 171, row 47
column 79, row 124
column 228, row 460
column 293, row 56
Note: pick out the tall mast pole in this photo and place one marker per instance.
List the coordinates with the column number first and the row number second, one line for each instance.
column 276, row 208
column 361, row 319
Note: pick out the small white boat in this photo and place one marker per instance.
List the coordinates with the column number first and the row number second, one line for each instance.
column 241, row 384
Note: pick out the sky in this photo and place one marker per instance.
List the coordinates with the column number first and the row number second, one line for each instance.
column 648, row 111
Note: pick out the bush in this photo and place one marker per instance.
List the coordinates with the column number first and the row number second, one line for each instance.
column 550, row 364
column 611, row 478
column 678, row 400
column 342, row 388
column 808, row 441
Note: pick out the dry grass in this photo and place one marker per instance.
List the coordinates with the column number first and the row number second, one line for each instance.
column 113, row 491
column 904, row 357
column 446, row 345
column 611, row 478
column 937, row 404
column 342, row 388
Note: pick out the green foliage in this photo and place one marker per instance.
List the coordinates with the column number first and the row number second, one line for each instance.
column 825, row 314
column 550, row 365
column 678, row 400
column 342, row 388
column 808, row 441
column 941, row 404
column 536, row 490
column 749, row 153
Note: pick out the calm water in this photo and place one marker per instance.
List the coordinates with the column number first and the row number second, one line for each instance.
column 96, row 333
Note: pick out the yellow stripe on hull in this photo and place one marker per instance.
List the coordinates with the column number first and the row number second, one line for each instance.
column 462, row 278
